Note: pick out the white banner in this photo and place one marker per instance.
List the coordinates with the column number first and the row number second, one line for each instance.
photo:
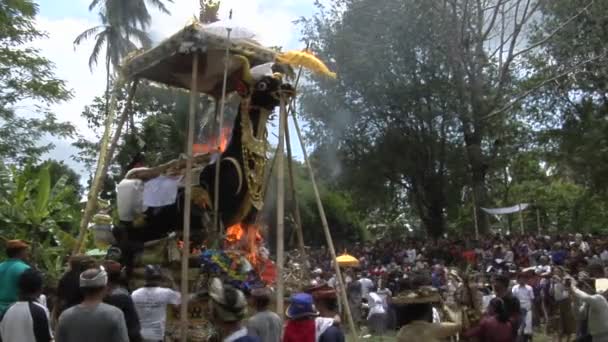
column 507, row 210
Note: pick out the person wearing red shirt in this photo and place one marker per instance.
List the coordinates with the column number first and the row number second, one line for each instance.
column 495, row 327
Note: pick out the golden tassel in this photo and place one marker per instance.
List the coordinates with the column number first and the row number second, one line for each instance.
column 305, row 59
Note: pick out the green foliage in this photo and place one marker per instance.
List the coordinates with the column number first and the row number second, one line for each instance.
column 442, row 104
column 122, row 23
column 343, row 217
column 37, row 210
column 160, row 115
column 387, row 125
column 26, row 76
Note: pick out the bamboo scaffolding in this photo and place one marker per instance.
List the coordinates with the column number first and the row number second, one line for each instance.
column 281, row 209
column 105, row 156
column 294, row 197
column 296, row 204
column 183, row 318
column 220, row 123
column 327, row 232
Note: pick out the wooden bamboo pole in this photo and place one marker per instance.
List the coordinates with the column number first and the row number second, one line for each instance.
column 220, row 124
column 294, row 198
column 521, row 219
column 297, row 214
column 183, row 315
column 538, row 221
column 475, row 217
column 105, row 157
column 330, row 243
column 281, row 209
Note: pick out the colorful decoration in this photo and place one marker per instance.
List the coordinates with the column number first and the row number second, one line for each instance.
column 346, row 260
column 231, row 266
column 305, row 59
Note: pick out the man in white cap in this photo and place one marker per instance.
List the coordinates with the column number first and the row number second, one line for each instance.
column 228, row 307
column 92, row 320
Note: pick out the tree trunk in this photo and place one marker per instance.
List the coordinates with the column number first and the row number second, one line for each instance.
column 429, row 203
column 105, row 156
column 107, row 83
column 478, row 168
column 434, row 221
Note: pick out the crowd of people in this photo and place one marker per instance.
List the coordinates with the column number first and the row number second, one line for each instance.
column 93, row 304
column 524, row 283
column 550, row 280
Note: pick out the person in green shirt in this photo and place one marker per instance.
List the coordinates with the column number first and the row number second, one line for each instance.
column 17, row 252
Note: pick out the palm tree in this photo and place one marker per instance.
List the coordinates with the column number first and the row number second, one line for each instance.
column 130, row 12
column 121, row 22
column 117, row 41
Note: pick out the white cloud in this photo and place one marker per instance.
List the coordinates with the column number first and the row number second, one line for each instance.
column 72, row 66
column 272, row 21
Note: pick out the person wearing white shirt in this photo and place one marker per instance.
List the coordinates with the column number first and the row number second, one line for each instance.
column 604, row 256
column 525, row 294
column 509, row 257
column 596, row 308
column 582, row 245
column 151, row 304
column 411, row 255
column 332, row 282
column 377, row 317
column 27, row 320
column 566, row 323
column 366, row 286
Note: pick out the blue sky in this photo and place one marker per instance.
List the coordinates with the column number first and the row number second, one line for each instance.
column 63, row 20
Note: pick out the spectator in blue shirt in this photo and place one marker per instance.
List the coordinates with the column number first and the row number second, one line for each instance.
column 558, row 254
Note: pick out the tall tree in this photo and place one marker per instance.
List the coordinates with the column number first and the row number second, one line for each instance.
column 26, row 75
column 115, row 37
column 389, row 114
column 130, row 12
column 573, row 107
column 478, row 53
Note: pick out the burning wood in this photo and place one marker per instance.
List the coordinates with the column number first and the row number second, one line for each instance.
column 212, row 145
column 247, row 238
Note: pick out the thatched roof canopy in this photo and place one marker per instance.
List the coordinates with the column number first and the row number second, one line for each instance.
column 170, row 62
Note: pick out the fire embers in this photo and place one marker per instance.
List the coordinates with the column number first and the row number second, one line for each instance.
column 246, row 238
column 211, row 145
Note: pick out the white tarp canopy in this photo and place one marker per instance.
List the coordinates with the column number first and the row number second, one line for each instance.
column 506, row 210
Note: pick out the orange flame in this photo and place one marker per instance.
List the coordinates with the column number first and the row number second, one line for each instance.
column 211, row 145
column 246, row 238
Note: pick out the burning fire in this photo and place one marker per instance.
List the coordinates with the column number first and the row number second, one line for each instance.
column 246, row 238
column 211, row 145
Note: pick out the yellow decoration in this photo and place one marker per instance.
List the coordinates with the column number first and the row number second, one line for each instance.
column 347, row 260
column 305, row 59
column 246, row 67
